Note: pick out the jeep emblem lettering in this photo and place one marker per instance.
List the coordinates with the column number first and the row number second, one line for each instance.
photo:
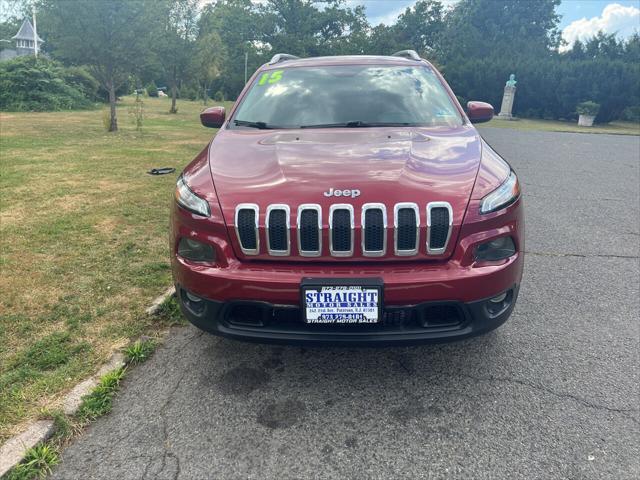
column 353, row 193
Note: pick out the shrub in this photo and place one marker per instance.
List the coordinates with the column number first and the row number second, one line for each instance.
column 80, row 78
column 219, row 96
column 152, row 89
column 38, row 84
column 189, row 92
column 588, row 108
column 136, row 112
column 631, row 114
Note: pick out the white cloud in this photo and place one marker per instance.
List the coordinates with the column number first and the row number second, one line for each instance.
column 615, row 18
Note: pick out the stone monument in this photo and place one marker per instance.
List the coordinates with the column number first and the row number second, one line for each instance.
column 507, row 98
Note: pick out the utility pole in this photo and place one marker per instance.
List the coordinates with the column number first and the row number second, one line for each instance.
column 246, row 60
column 35, row 33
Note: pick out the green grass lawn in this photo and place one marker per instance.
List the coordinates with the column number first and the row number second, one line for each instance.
column 84, row 242
column 616, row 128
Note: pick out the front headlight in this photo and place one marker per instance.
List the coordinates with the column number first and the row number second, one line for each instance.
column 504, row 195
column 189, row 200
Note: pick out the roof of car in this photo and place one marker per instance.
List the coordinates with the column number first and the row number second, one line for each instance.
column 343, row 60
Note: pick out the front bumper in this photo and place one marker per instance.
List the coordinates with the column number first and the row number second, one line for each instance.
column 260, row 300
column 428, row 322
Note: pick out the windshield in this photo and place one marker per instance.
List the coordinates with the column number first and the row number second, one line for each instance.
column 347, row 96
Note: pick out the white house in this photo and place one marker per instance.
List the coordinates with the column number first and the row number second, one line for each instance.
column 24, row 43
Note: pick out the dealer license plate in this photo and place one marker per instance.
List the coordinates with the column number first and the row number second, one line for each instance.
column 342, row 304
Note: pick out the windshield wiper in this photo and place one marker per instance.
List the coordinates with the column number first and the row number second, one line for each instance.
column 260, row 125
column 358, row 124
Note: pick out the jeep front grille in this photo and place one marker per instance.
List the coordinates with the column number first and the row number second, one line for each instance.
column 247, row 228
column 278, row 227
column 374, row 226
column 341, row 222
column 407, row 228
column 439, row 220
column 341, row 226
column 310, row 230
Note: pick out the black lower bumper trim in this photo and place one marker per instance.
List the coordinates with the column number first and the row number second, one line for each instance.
column 429, row 322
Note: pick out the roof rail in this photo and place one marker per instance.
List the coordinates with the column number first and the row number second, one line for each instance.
column 410, row 54
column 281, row 57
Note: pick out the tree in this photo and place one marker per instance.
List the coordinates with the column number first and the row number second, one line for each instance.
column 109, row 36
column 8, row 29
column 382, row 40
column 177, row 42
column 604, row 45
column 577, row 51
column 301, row 28
column 238, row 25
column 208, row 58
column 420, row 27
column 13, row 12
column 632, row 48
column 342, row 30
column 513, row 28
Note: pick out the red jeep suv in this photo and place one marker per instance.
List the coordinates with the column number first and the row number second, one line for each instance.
column 347, row 200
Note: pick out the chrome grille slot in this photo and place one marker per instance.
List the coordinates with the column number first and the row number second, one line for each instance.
column 341, row 225
column 277, row 230
column 374, row 226
column 309, row 230
column 439, row 222
column 407, row 228
column 247, row 228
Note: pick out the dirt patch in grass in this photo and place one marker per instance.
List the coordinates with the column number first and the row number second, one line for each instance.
column 83, row 243
column 106, row 226
column 7, row 218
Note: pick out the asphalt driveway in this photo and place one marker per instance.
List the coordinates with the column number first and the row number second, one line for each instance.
column 551, row 394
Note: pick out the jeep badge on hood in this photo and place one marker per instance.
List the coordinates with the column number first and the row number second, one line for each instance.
column 353, row 193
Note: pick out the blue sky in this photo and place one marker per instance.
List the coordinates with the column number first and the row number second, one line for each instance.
column 572, row 10
column 580, row 18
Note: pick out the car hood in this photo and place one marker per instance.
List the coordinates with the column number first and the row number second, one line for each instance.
column 387, row 165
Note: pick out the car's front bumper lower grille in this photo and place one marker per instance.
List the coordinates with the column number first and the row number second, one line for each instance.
column 427, row 322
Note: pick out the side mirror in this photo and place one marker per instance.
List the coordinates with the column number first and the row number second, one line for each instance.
column 479, row 112
column 213, row 117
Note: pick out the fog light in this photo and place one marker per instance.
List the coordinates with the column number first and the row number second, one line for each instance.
column 193, row 298
column 498, row 304
column 496, row 249
column 196, row 251
column 499, row 298
column 193, row 303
